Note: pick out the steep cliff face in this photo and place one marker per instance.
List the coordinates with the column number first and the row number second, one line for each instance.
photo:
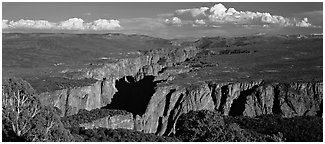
column 99, row 94
column 247, row 99
column 71, row 100
column 257, row 98
column 168, row 103
column 158, row 107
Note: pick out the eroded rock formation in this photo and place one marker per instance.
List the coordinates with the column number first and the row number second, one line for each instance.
column 99, row 94
column 159, row 110
column 247, row 99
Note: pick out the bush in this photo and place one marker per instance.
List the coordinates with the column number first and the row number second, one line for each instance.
column 8, row 134
column 13, row 85
column 19, row 109
column 202, row 126
column 48, row 127
column 117, row 135
column 85, row 116
column 25, row 119
column 296, row 129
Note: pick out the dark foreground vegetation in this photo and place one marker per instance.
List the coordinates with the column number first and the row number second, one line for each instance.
column 25, row 119
column 84, row 116
column 210, row 126
column 117, row 135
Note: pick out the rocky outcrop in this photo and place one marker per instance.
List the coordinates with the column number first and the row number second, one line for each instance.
column 70, row 101
column 111, row 122
column 99, row 94
column 247, row 99
column 257, row 98
column 168, row 103
column 150, row 64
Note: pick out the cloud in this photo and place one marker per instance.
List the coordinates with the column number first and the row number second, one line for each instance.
column 303, row 23
column 174, row 21
column 4, row 23
column 34, row 24
column 70, row 24
column 219, row 14
column 193, row 12
column 314, row 17
column 200, row 22
column 103, row 24
column 218, row 10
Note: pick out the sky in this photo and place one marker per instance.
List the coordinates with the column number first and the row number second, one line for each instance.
column 165, row 20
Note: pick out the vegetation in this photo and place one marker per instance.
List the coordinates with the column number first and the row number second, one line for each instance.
column 85, row 116
column 19, row 106
column 302, row 129
column 211, row 126
column 117, row 135
column 25, row 119
column 205, row 126
column 57, row 83
column 19, row 109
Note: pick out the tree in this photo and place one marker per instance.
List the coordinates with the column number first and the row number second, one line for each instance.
column 19, row 109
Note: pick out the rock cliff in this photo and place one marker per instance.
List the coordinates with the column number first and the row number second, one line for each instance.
column 247, row 99
column 142, row 85
column 100, row 93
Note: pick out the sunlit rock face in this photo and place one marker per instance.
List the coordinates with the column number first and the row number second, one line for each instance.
column 234, row 99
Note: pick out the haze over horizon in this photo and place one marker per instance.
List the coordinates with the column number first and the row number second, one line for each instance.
column 165, row 20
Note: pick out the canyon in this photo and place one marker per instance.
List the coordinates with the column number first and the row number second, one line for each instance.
column 279, row 75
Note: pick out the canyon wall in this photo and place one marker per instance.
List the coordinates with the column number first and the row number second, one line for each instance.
column 169, row 101
column 99, row 94
column 247, row 99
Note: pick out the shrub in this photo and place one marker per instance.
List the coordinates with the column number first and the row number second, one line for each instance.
column 19, row 109
column 25, row 119
column 117, row 135
column 85, row 116
column 210, row 126
column 302, row 129
column 48, row 127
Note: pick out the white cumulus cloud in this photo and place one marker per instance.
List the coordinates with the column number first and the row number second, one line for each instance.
column 219, row 14
column 4, row 23
column 70, row 24
column 34, row 24
column 174, row 20
column 303, row 23
column 103, row 24
column 218, row 10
